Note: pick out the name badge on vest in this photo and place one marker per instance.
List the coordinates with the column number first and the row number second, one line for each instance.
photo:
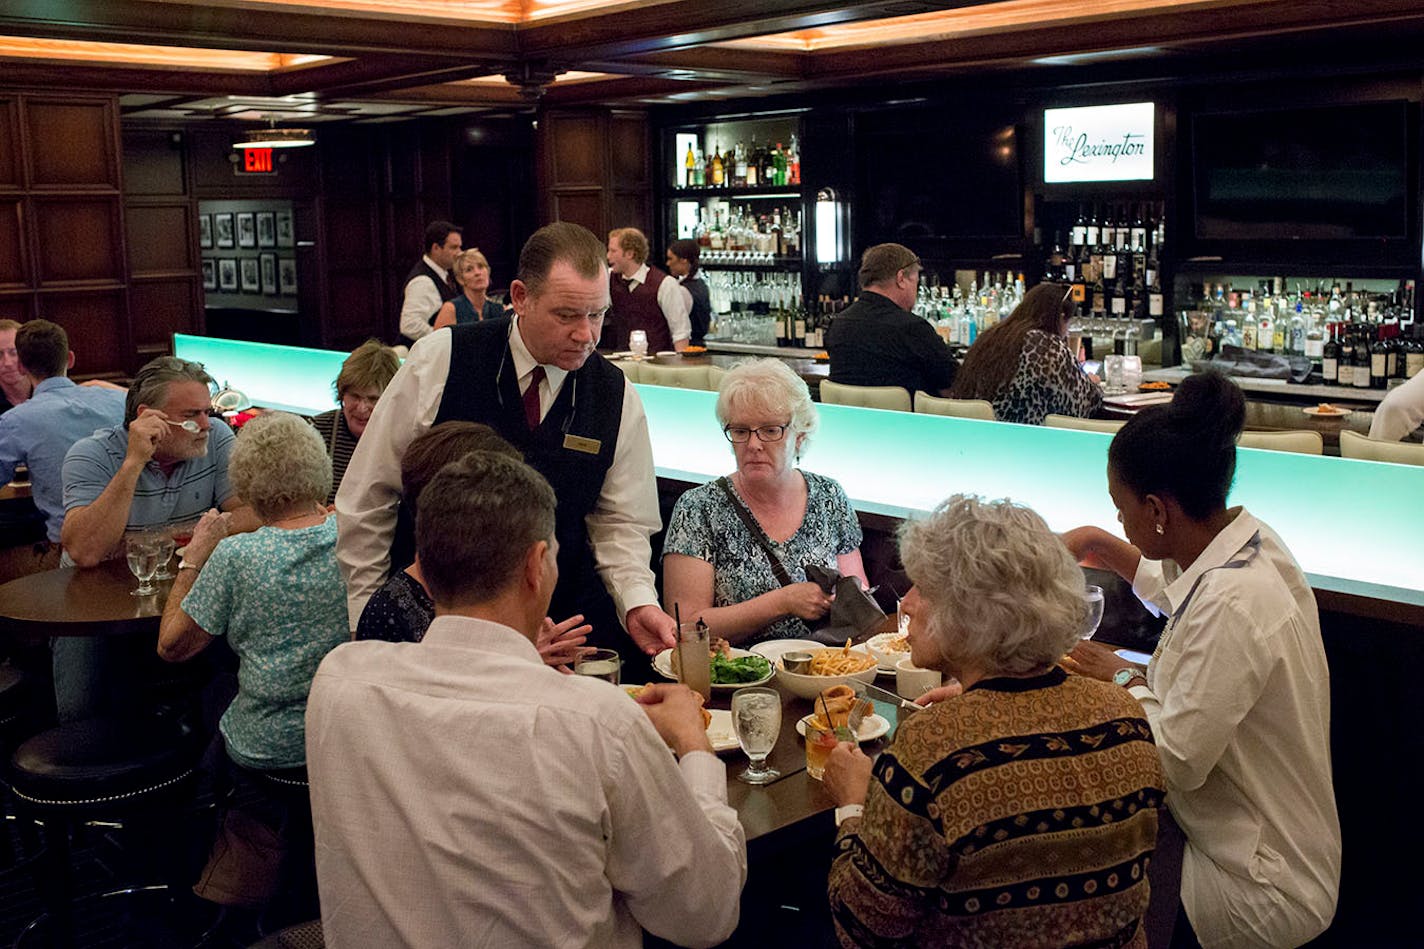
column 589, row 446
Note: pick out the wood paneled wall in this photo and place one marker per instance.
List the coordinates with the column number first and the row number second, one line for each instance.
column 595, row 169
column 62, row 228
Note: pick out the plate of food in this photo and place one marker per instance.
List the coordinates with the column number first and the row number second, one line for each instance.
column 694, row 350
column 774, row 649
column 1325, row 410
column 822, row 356
column 829, row 666
column 731, row 668
column 888, row 649
column 1154, row 386
column 718, row 722
column 871, row 727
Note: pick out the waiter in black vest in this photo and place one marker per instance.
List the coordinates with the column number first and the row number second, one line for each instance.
column 431, row 281
column 537, row 381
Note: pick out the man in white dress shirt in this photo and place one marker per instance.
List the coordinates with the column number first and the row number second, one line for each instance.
column 643, row 297
column 465, row 794
column 1401, row 412
column 537, row 381
column 430, row 281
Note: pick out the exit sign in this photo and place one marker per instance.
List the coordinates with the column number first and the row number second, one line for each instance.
column 255, row 161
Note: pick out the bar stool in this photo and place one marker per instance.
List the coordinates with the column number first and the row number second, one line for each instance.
column 1355, row 445
column 1106, row 425
column 677, row 377
column 15, row 712
column 111, row 770
column 1304, row 443
column 892, row 398
column 927, row 404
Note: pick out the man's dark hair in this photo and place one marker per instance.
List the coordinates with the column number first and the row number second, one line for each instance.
column 688, row 251
column 883, row 261
column 475, row 522
column 441, row 445
column 573, row 244
column 150, row 386
column 43, row 348
column 437, row 231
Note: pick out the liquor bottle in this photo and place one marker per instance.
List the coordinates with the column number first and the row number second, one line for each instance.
column 750, row 175
column 1248, row 322
column 1266, row 329
column 1414, row 356
column 782, row 166
column 688, row 166
column 699, row 172
column 1380, row 353
column 1330, row 359
column 1154, row 283
column 1362, row 363
column 1346, row 374
column 1138, row 234
column 793, row 163
column 718, row 169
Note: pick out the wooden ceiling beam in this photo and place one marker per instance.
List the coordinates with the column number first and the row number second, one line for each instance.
column 67, row 74
column 358, row 77
column 733, row 65
column 624, row 88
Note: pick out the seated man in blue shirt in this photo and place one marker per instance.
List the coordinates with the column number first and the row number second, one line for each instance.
column 38, row 432
column 148, row 473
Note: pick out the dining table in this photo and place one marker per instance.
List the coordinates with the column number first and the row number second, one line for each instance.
column 81, row 601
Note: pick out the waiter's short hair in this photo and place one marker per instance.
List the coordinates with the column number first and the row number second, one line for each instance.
column 474, row 524
column 573, row 244
column 883, row 261
column 43, row 348
column 632, row 241
column 437, row 232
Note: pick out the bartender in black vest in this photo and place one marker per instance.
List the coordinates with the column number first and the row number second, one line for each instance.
column 431, row 281
column 537, row 381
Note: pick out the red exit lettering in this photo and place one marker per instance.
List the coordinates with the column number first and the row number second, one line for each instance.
column 257, row 160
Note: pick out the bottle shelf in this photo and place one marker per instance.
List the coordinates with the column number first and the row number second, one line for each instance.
column 783, row 193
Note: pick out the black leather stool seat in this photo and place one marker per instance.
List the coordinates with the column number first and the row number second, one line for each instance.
column 103, row 762
column 13, row 694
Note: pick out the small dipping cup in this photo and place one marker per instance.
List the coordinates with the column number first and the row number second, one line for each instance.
column 798, row 662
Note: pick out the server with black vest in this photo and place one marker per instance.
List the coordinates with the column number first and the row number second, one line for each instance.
column 536, row 380
column 430, row 281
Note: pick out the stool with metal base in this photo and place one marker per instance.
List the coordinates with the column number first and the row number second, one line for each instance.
column 122, row 770
column 16, row 707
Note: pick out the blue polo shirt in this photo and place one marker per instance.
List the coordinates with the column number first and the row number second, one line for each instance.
column 39, row 431
column 159, row 500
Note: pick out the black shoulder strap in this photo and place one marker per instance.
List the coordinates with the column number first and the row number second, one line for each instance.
column 758, row 535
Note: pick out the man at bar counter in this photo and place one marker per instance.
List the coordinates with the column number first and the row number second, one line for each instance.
column 546, row 811
column 643, row 297
column 536, row 380
column 877, row 341
column 430, row 281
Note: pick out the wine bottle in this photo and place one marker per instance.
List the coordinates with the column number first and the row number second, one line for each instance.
column 1362, row 363
column 1379, row 363
column 1330, row 359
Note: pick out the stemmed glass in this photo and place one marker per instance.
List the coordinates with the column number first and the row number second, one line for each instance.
column 143, row 563
column 166, row 545
column 1093, row 597
column 638, row 343
column 756, row 718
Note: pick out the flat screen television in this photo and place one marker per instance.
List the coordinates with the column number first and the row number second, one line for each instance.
column 1324, row 173
column 926, row 176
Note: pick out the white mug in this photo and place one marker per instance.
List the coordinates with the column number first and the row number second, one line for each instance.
column 912, row 682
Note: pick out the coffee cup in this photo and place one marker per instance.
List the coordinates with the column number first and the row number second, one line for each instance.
column 912, row 682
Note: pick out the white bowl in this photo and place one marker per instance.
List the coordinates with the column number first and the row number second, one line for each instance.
column 808, row 686
column 886, row 657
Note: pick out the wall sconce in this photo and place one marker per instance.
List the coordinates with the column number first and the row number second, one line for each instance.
column 830, row 227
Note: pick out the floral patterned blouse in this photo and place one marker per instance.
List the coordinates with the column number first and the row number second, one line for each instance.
column 705, row 525
column 1048, row 381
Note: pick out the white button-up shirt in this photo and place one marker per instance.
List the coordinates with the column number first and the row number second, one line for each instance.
column 673, row 299
column 465, row 794
column 1238, row 697
column 422, row 301
column 1401, row 412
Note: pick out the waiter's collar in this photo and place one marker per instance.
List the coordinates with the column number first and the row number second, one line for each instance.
column 1225, row 546
column 444, row 274
column 640, row 276
column 524, row 362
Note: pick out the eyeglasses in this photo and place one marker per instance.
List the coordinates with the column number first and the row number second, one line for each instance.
column 736, row 434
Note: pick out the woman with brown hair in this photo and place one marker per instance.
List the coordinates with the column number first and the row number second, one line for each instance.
column 1024, row 366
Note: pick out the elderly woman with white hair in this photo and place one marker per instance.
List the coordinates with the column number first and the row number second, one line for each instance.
column 1022, row 812
column 275, row 594
column 736, row 549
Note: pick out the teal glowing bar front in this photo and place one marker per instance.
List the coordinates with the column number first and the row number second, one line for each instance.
column 290, row 378
column 901, row 464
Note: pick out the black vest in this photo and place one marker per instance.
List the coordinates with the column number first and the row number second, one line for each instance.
column 447, row 292
column 483, row 386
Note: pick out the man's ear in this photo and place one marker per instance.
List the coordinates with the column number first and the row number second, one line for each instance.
column 534, row 559
column 71, row 359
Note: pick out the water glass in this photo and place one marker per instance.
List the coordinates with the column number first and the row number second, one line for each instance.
column 638, row 343
column 166, row 545
column 143, row 564
column 600, row 664
column 1093, row 596
column 756, row 718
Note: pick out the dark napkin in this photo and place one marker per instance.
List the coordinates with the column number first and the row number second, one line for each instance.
column 854, row 613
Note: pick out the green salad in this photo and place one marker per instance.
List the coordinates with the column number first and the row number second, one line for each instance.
column 742, row 669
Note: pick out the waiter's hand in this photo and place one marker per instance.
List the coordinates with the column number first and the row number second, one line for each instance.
column 651, row 628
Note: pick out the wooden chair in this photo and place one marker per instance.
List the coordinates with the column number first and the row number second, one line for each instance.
column 1355, row 445
column 927, row 404
column 1304, row 443
column 676, row 377
column 892, row 398
column 1109, row 426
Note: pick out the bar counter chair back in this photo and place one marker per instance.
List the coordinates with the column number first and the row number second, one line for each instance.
column 1355, row 445
column 893, row 398
column 135, row 771
column 1302, row 443
column 927, row 404
column 715, row 375
column 676, row 377
column 1107, row 425
column 633, row 370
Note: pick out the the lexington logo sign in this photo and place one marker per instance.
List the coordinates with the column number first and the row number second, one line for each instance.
column 1099, row 143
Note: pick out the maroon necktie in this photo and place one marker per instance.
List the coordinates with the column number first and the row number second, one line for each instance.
column 531, row 398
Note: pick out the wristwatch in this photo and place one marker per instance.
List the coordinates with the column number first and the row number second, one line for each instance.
column 846, row 811
column 1125, row 675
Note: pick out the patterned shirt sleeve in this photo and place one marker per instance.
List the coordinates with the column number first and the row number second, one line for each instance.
column 211, row 601
column 689, row 529
column 1054, row 368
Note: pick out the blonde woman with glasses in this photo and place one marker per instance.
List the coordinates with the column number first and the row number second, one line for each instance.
column 736, row 549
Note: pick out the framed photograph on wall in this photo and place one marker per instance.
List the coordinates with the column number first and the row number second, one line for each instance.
column 269, row 273
column 246, row 229
column 266, row 229
column 205, row 231
column 227, row 274
column 210, row 274
column 251, row 281
column 285, row 235
column 222, row 227
column 287, row 276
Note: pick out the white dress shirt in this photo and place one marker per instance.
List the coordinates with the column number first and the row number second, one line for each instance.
column 620, row 526
column 465, row 794
column 1401, row 412
column 1238, row 697
column 673, row 299
column 422, row 301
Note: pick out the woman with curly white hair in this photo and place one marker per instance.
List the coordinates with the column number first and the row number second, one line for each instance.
column 275, row 594
column 736, row 549
column 1022, row 812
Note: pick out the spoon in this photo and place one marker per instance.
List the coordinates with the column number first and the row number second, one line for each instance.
column 187, row 425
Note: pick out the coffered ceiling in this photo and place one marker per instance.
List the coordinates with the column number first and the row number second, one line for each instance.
column 381, row 60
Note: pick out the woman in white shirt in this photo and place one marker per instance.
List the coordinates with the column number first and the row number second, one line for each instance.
column 1237, row 692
